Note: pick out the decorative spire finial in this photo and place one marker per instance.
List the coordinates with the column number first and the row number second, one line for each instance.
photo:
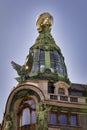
column 44, row 19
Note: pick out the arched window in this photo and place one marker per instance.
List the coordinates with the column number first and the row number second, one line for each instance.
column 27, row 113
column 61, row 91
column 25, row 116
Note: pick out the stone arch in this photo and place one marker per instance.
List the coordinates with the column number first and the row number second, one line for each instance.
column 17, row 95
column 19, row 90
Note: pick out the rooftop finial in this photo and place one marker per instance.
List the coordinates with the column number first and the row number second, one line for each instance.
column 44, row 20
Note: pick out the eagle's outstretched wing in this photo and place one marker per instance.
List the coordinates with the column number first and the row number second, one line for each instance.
column 17, row 67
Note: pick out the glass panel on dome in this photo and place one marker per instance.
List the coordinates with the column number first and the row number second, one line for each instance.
column 58, row 67
column 64, row 72
column 53, row 65
column 56, row 56
column 42, row 56
column 61, row 70
column 35, row 67
column 42, row 63
column 62, row 60
column 36, row 54
column 59, row 58
column 42, row 66
column 55, row 52
column 51, row 56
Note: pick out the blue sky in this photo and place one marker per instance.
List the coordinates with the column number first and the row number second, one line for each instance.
column 18, row 33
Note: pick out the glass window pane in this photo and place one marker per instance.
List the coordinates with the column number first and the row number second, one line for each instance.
column 53, row 118
column 33, row 117
column 42, row 55
column 28, row 114
column 51, row 56
column 73, row 120
column 33, row 106
column 59, row 58
column 54, row 97
column 64, row 98
column 55, row 52
column 73, row 99
column 53, row 65
column 61, row 91
column 58, row 67
column 31, row 102
column 42, row 63
column 63, row 119
column 36, row 54
column 35, row 67
column 61, row 70
column 56, row 56
column 26, row 117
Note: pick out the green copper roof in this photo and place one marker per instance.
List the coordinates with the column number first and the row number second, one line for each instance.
column 45, row 38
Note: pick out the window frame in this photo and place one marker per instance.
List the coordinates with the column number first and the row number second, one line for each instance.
column 22, row 107
column 49, row 118
column 67, row 115
column 76, row 116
